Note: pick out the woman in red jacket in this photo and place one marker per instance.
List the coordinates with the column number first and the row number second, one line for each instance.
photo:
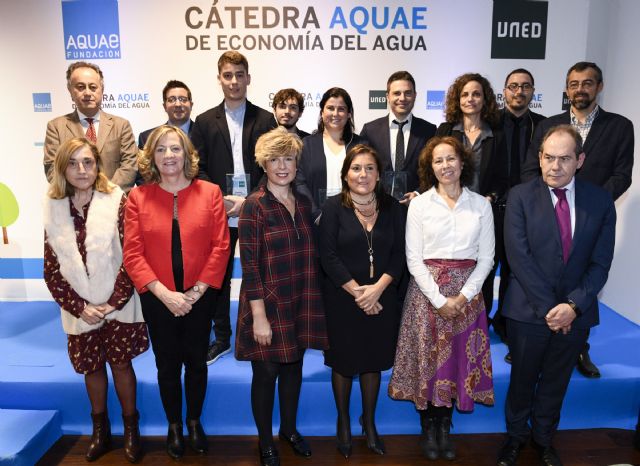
column 176, row 249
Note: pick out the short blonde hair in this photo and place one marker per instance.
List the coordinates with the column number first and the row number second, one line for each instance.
column 146, row 161
column 277, row 143
column 59, row 188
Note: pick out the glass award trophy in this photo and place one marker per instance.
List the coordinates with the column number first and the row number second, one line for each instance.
column 238, row 184
column 395, row 183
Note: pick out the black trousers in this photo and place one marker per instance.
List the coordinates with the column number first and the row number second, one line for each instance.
column 500, row 258
column 220, row 311
column 178, row 342
column 542, row 363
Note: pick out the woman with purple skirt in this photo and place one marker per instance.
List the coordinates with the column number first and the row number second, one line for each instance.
column 443, row 356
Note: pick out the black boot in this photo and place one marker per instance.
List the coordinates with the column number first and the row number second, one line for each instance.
column 175, row 441
column 197, row 437
column 445, row 444
column 428, row 441
column 100, row 437
column 132, row 447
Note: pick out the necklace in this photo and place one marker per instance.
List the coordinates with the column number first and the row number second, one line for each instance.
column 366, row 215
column 370, row 201
column 369, row 237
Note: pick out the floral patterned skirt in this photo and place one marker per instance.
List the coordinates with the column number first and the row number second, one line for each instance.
column 439, row 360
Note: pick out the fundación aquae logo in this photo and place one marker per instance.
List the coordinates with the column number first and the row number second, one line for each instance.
column 91, row 29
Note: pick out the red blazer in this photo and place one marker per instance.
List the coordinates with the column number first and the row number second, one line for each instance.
column 204, row 235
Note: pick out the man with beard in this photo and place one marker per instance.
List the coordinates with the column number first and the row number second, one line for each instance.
column 608, row 145
column 518, row 124
column 288, row 105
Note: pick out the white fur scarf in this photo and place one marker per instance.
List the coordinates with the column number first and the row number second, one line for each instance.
column 95, row 283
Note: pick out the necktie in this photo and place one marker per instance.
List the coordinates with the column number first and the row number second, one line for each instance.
column 514, row 172
column 91, row 131
column 563, row 216
column 399, row 145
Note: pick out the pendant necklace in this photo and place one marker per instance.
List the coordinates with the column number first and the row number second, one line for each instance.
column 370, row 250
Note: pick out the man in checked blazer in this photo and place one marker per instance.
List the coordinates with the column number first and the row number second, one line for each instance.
column 113, row 135
column 225, row 138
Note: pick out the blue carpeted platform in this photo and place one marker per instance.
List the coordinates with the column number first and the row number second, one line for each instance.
column 26, row 435
column 35, row 374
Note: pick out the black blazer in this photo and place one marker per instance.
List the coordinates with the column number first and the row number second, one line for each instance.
column 494, row 178
column 142, row 138
column 301, row 134
column 210, row 136
column 540, row 280
column 378, row 134
column 312, row 169
column 531, row 120
column 608, row 149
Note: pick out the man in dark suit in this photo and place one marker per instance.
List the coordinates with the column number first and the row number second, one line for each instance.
column 400, row 136
column 518, row 124
column 559, row 236
column 288, row 105
column 225, row 138
column 608, row 145
column 111, row 134
column 177, row 102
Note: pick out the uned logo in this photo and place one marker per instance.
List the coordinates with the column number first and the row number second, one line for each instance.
column 566, row 103
column 42, row 102
column 435, row 100
column 519, row 29
column 377, row 100
column 91, row 29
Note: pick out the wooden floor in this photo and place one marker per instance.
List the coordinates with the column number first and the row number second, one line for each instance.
column 597, row 447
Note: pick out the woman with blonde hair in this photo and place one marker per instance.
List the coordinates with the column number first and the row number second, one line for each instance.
column 176, row 250
column 101, row 315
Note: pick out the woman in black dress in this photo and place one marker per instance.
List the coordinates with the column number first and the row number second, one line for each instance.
column 362, row 253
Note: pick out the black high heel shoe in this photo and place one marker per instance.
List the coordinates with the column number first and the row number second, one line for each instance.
column 375, row 444
column 343, row 447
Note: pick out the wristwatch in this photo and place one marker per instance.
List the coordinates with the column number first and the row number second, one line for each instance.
column 196, row 288
column 575, row 308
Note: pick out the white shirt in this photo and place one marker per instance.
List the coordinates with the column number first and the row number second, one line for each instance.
column 235, row 122
column 334, row 167
column 434, row 231
column 85, row 123
column 571, row 200
column 393, row 136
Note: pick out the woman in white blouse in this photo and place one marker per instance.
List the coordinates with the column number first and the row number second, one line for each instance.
column 443, row 355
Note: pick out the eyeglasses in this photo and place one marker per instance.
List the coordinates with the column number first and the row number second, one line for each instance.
column 513, row 87
column 173, row 99
column 88, row 164
column 586, row 84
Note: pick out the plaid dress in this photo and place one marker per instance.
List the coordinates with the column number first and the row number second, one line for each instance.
column 279, row 266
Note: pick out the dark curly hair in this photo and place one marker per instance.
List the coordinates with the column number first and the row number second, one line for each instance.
column 425, row 169
column 489, row 113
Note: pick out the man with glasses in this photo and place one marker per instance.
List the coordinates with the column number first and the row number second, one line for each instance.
column 288, row 105
column 518, row 124
column 608, row 145
column 111, row 134
column 176, row 101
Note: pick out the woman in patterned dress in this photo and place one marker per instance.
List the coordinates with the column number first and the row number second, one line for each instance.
column 84, row 228
column 280, row 313
column 443, row 356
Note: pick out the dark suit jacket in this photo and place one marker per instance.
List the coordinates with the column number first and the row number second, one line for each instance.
column 210, row 136
column 494, row 179
column 142, row 138
column 608, row 149
column 116, row 145
column 378, row 134
column 531, row 120
column 540, row 279
column 301, row 134
column 312, row 169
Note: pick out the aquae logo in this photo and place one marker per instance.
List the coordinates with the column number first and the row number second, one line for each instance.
column 91, row 29
column 42, row 102
column 435, row 100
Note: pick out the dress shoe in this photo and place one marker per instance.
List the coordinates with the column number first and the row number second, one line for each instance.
column 197, row 437
column 428, row 441
column 548, row 455
column 509, row 452
column 374, row 442
column 131, row 438
column 269, row 456
column 175, row 441
column 344, row 447
column 507, row 358
column 100, row 436
column 586, row 367
column 298, row 444
column 445, row 444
